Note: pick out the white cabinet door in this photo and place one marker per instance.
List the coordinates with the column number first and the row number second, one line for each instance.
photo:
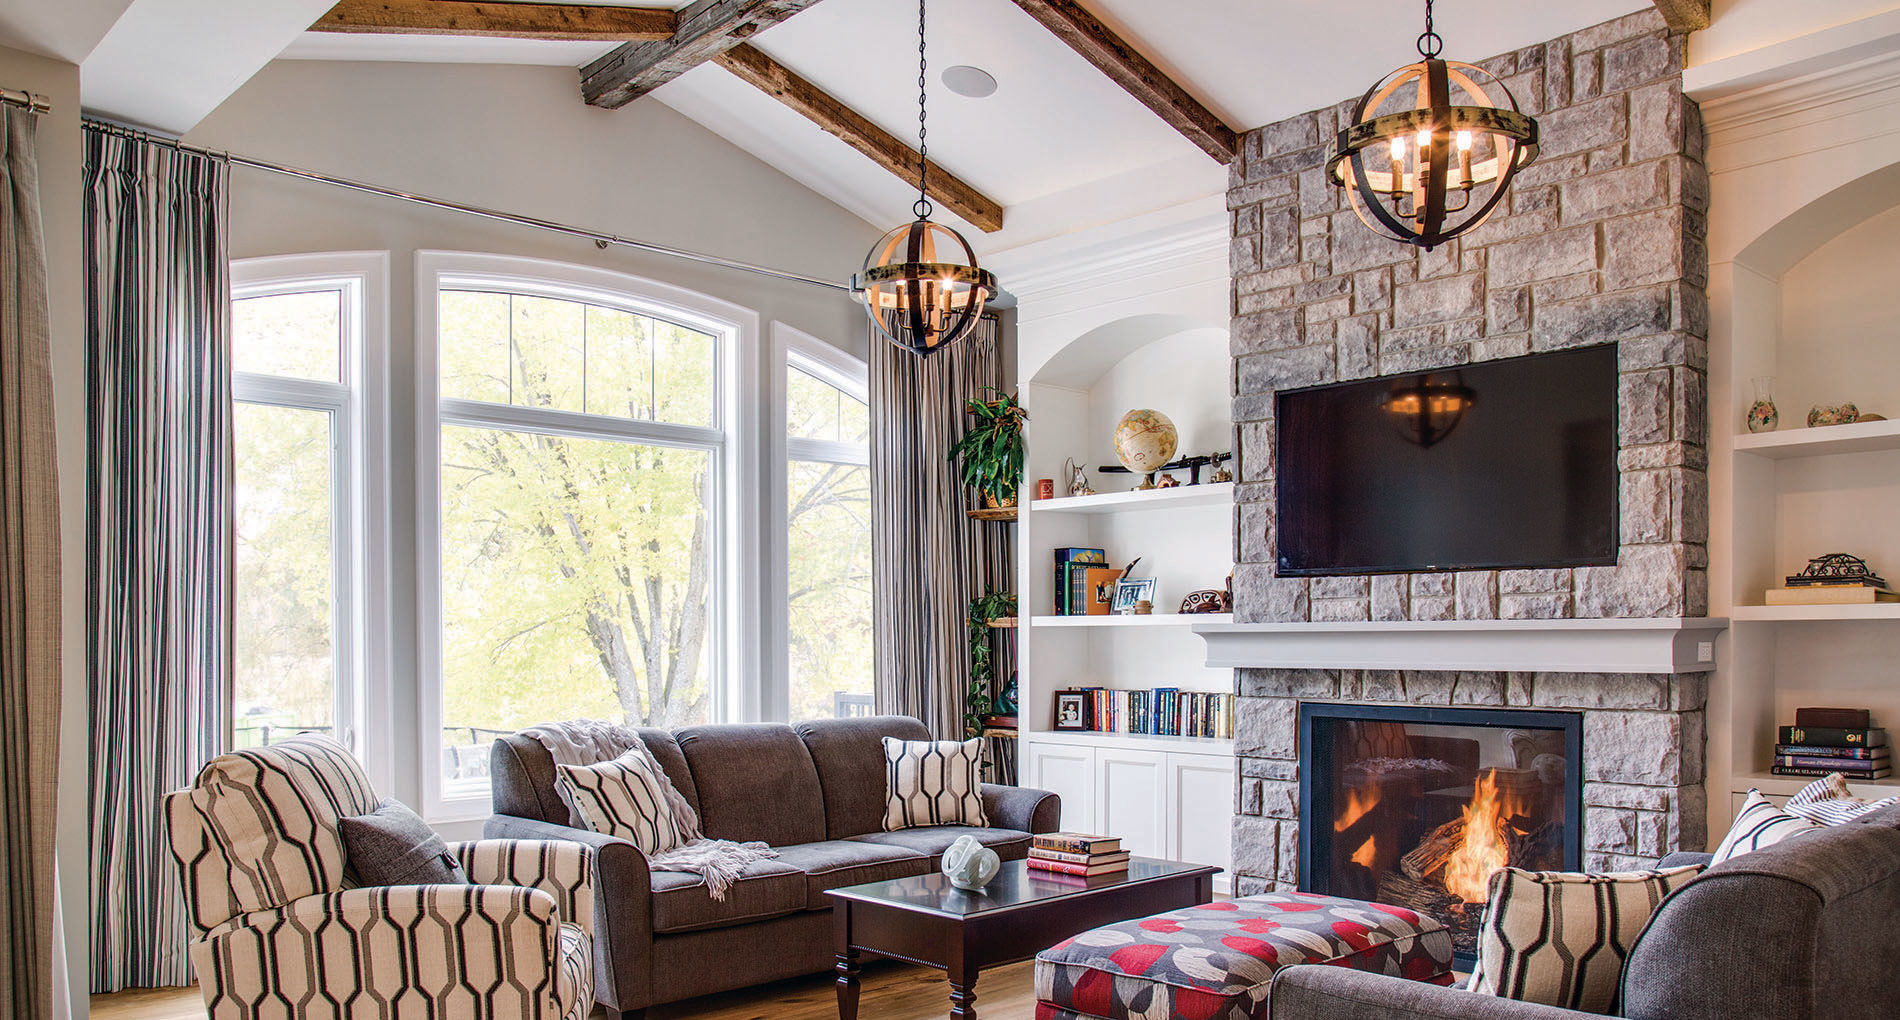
column 1133, row 791
column 1068, row 772
column 1200, row 799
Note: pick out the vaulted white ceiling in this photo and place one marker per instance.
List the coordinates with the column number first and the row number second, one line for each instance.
column 1058, row 145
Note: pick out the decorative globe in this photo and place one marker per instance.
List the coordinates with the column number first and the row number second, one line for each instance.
column 1145, row 440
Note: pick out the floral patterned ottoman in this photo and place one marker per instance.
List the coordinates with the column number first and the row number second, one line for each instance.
column 1214, row 961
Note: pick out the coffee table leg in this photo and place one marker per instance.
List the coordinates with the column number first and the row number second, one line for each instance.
column 963, row 998
column 847, row 962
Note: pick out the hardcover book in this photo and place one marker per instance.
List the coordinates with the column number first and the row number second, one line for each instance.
column 1077, row 842
column 1805, row 773
column 1073, row 858
column 1855, row 766
column 1065, row 868
column 1829, row 736
column 1838, row 753
column 1838, row 718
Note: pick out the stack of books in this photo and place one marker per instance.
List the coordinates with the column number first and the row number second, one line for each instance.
column 1078, row 854
column 1084, row 582
column 1823, row 741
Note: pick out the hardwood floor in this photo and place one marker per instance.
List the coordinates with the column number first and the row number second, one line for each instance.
column 891, row 991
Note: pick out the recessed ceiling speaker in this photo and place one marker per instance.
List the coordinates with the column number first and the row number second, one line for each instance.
column 965, row 80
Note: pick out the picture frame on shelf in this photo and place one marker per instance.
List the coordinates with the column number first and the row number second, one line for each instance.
column 1127, row 593
column 1071, row 711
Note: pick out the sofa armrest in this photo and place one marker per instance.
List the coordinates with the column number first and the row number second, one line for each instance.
column 1685, row 858
column 1335, row 993
column 1018, row 807
column 485, row 952
column 561, row 868
column 623, row 907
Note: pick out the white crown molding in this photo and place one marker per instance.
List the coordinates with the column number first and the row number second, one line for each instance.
column 1792, row 77
column 1185, row 237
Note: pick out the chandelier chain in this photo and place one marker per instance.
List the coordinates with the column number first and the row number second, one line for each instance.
column 1429, row 43
column 922, row 208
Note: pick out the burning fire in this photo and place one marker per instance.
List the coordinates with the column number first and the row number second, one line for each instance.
column 1367, row 853
column 1484, row 849
column 1358, row 802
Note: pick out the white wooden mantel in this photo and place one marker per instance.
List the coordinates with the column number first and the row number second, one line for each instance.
column 1673, row 645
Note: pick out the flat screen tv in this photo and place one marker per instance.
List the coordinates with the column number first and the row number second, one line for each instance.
column 1496, row 465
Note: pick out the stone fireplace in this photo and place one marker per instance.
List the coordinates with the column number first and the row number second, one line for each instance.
column 1602, row 243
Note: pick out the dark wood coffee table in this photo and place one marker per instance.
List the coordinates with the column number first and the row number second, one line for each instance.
column 1021, row 912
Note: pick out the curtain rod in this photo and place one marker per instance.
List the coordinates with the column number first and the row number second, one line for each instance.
column 31, row 100
column 603, row 240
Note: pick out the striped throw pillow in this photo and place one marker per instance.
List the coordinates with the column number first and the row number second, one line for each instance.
column 1560, row 938
column 1830, row 802
column 1760, row 824
column 933, row 782
column 623, row 798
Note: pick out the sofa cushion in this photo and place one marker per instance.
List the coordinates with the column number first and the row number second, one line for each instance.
column 1215, row 961
column 1760, row 824
column 836, row 863
column 849, row 755
column 392, row 845
column 756, row 782
column 1009, row 844
column 766, row 889
column 933, row 782
column 522, row 778
column 625, row 797
column 574, row 979
column 1831, row 801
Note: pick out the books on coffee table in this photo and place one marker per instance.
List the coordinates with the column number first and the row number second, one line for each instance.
column 1077, row 853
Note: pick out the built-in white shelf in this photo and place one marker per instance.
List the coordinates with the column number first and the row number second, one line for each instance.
column 1135, row 741
column 1860, row 437
column 1208, row 494
column 1876, row 611
column 1788, row 786
column 1118, row 620
column 1673, row 645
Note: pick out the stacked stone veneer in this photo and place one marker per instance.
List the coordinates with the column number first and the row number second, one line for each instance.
column 1602, row 242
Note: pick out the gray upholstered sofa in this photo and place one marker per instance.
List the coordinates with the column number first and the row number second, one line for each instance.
column 815, row 792
column 1808, row 929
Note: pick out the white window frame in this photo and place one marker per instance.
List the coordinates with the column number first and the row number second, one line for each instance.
column 358, row 402
column 734, row 663
column 794, row 348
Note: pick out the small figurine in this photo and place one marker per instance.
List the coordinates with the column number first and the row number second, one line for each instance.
column 1167, row 482
column 1078, row 477
column 1221, row 474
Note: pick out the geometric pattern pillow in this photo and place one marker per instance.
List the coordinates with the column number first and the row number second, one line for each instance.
column 933, row 782
column 264, row 819
column 1760, row 824
column 623, row 798
column 1560, row 938
column 1830, row 802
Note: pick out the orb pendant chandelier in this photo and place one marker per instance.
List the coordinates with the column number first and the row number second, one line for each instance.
column 1432, row 148
column 920, row 283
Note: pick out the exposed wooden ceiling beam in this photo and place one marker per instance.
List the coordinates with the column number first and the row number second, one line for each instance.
column 706, row 29
column 839, row 120
column 1685, row 15
column 583, row 22
column 1099, row 45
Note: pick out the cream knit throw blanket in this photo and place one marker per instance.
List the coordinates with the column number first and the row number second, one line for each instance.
column 591, row 741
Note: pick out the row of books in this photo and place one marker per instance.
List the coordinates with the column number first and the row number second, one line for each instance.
column 1827, row 740
column 1084, row 582
column 1163, row 711
column 1077, row 853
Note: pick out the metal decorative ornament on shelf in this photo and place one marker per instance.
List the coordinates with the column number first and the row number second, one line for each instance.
column 1434, row 149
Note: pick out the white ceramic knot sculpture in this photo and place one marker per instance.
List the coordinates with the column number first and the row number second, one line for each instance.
column 969, row 864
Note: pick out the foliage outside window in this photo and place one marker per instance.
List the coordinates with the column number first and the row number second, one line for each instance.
column 828, row 526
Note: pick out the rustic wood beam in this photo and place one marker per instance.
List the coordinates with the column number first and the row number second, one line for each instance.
column 1685, row 15
column 846, row 124
column 1099, row 45
column 706, row 29
column 582, row 22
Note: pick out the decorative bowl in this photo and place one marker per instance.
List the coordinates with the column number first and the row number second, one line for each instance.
column 1841, row 414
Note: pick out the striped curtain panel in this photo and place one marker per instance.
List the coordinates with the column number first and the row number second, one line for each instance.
column 158, row 584
column 29, row 586
column 928, row 559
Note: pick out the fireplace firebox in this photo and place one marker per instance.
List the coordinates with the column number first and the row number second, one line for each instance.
column 1416, row 807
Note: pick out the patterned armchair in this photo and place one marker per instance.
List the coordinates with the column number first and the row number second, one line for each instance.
column 280, row 931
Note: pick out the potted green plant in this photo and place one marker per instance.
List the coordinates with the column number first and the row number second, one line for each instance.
column 992, row 450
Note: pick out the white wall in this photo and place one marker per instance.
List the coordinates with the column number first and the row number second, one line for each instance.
column 1840, row 312
column 519, row 140
column 1742, row 26
column 62, row 216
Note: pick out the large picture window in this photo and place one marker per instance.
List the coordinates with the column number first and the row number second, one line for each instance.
column 301, row 343
column 580, row 486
